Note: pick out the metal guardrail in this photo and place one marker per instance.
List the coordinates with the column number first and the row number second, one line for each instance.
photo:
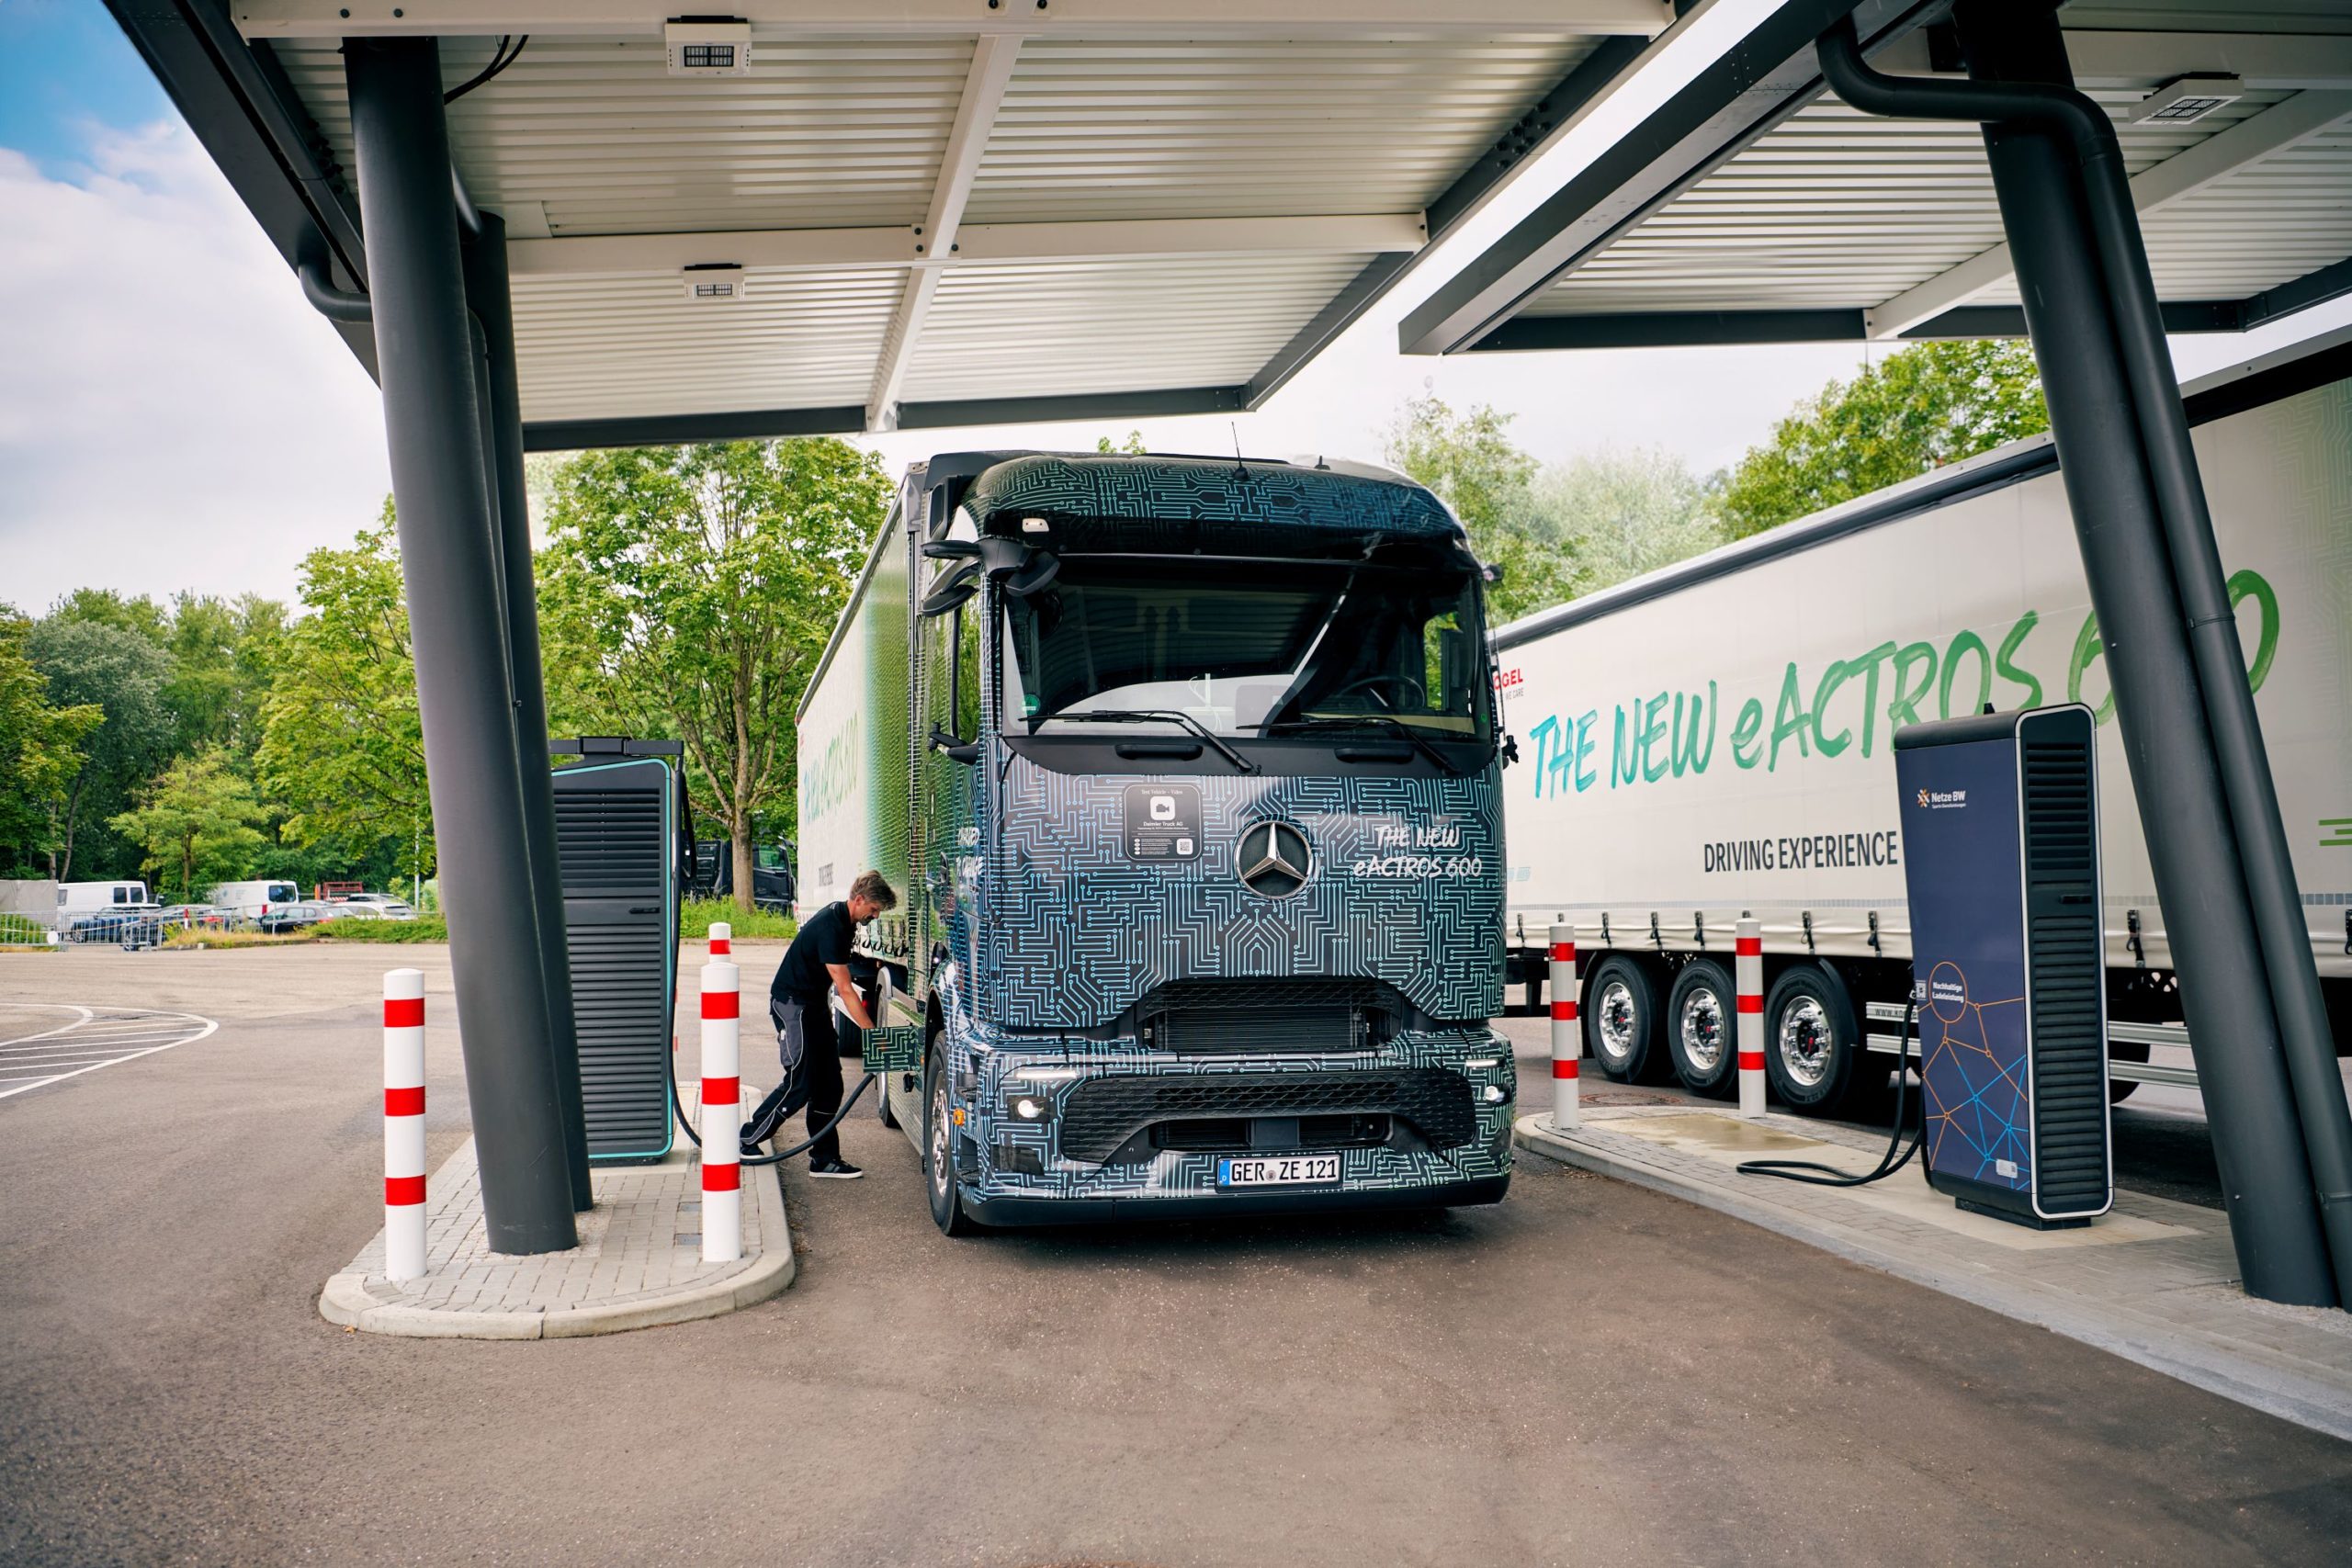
column 23, row 931
column 2149, row 1035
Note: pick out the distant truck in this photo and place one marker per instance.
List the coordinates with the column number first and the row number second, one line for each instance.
column 772, row 873
column 1715, row 738
column 256, row 900
column 79, row 900
column 1186, row 771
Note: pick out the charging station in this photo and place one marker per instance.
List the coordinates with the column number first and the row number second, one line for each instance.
column 2000, row 848
column 624, row 848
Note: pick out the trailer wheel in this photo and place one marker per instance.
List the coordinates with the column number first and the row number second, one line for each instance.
column 2119, row 1089
column 1810, row 1042
column 1701, row 1028
column 939, row 1153
column 1620, row 1017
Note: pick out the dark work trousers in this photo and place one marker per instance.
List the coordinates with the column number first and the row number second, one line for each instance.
column 824, row 1078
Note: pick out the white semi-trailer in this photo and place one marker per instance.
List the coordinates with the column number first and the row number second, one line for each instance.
column 1716, row 738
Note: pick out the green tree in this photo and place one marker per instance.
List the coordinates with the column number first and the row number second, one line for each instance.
column 197, row 813
column 1469, row 462
column 41, row 753
column 690, row 590
column 223, row 663
column 113, row 665
column 342, row 748
column 1626, row 513
column 1132, row 446
column 1916, row 411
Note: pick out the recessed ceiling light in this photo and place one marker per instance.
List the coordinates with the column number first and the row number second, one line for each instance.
column 714, row 283
column 708, row 46
column 2186, row 100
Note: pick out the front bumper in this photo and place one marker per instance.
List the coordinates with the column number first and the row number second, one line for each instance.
column 1088, row 1161
column 1014, row 1208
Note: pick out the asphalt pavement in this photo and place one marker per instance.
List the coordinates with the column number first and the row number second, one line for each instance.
column 1588, row 1373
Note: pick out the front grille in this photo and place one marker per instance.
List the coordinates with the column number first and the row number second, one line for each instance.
column 1231, row 1134
column 1296, row 1017
column 1100, row 1115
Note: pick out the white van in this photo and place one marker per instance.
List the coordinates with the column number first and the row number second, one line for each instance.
column 251, row 900
column 76, row 899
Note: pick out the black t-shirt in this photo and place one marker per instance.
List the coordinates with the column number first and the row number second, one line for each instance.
column 823, row 940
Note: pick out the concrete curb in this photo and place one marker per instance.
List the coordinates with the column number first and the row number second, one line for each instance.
column 2195, row 1359
column 372, row 1306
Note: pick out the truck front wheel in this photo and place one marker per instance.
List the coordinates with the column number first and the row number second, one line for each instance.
column 1702, row 1024
column 1810, row 1042
column 1622, row 1020
column 939, row 1153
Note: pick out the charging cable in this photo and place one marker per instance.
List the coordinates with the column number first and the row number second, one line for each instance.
column 781, row 1155
column 1813, row 1173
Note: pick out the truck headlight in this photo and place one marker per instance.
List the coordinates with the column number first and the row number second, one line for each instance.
column 1029, row 1107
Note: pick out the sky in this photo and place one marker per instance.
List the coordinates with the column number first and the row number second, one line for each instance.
column 174, row 415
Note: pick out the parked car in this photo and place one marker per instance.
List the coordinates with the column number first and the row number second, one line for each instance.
column 383, row 904
column 279, row 918
column 134, row 928
column 208, row 916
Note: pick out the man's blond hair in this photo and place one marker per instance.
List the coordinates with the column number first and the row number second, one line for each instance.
column 870, row 888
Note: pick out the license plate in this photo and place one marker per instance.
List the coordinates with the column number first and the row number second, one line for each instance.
column 1277, row 1171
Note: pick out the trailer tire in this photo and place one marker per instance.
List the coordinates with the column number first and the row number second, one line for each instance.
column 939, row 1153
column 1621, row 1015
column 1810, row 1045
column 1702, row 1022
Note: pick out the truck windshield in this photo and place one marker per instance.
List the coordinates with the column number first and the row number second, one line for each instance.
column 1252, row 647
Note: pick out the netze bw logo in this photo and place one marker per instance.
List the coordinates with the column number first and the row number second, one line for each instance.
column 1942, row 799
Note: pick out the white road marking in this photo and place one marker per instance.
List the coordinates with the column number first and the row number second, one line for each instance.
column 97, row 1038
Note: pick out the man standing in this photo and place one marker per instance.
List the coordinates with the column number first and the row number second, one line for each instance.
column 814, row 967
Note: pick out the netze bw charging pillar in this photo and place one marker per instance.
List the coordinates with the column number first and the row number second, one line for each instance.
column 2000, row 849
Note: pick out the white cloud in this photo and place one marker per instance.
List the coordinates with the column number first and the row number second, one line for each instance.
column 172, row 414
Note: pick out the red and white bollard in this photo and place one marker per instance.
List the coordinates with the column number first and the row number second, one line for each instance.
column 1749, row 978
column 403, row 1123
column 1568, row 1030
column 722, row 940
column 722, row 1114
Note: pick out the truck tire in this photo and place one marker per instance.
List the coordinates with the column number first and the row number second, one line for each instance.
column 939, row 1153
column 1703, row 1028
column 1810, row 1046
column 2119, row 1089
column 1621, row 1015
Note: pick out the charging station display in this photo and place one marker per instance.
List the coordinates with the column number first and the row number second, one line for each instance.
column 2001, row 843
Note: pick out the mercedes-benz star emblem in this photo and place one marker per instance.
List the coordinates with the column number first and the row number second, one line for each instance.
column 1274, row 858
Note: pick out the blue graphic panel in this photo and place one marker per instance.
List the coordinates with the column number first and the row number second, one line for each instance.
column 1960, row 839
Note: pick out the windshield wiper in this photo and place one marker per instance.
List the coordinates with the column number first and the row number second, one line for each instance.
column 1349, row 721
column 1149, row 716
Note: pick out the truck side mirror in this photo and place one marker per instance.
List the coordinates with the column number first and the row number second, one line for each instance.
column 965, row 752
column 958, row 586
column 1510, row 749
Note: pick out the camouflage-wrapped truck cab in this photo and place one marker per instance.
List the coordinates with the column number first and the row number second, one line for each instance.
column 1186, row 770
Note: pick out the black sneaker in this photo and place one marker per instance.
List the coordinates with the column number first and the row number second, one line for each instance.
column 836, row 1170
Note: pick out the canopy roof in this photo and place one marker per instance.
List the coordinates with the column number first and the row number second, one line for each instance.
column 945, row 211
column 1755, row 207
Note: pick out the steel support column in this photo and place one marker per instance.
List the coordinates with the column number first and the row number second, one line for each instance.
column 2161, row 705
column 457, row 627
column 487, row 293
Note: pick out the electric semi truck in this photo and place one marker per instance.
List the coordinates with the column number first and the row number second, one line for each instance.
column 1187, row 774
column 1716, row 738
